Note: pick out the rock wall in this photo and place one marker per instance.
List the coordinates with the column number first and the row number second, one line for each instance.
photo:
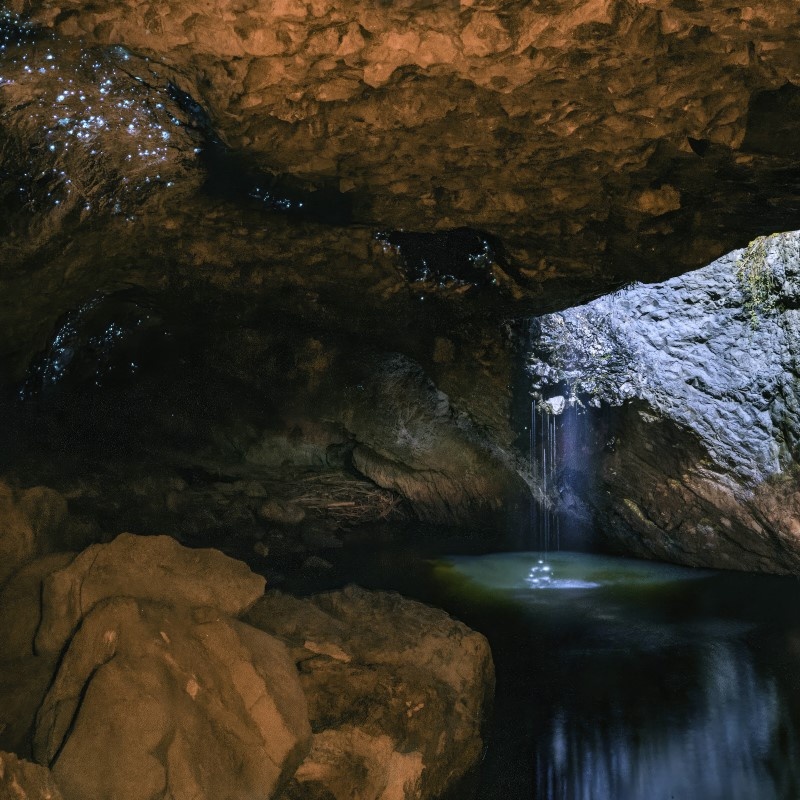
column 701, row 464
column 565, row 127
column 161, row 692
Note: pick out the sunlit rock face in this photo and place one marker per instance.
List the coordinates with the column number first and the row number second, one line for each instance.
column 700, row 463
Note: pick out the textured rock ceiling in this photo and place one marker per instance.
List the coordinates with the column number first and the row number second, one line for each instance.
column 615, row 138
column 587, row 142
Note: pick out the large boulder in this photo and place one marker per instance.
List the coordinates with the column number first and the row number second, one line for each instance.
column 397, row 692
column 17, row 539
column 30, row 523
column 24, row 677
column 21, row 780
column 155, row 702
column 410, row 439
column 691, row 440
column 147, row 567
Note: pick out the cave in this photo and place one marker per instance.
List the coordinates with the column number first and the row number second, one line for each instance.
column 401, row 400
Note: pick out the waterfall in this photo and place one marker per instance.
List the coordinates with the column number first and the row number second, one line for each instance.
column 544, row 522
column 545, row 466
column 557, row 431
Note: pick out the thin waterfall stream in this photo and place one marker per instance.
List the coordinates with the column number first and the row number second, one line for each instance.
column 550, row 420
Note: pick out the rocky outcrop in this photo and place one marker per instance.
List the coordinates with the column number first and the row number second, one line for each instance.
column 24, row 676
column 31, row 522
column 179, row 705
column 17, row 541
column 572, row 129
column 397, row 693
column 701, row 465
column 149, row 568
column 21, row 780
column 160, row 692
column 572, row 145
column 408, row 438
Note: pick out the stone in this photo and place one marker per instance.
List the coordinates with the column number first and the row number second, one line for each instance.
column 397, row 692
column 24, row 676
column 17, row 537
column 47, row 511
column 21, row 780
column 151, row 701
column 429, row 118
column 146, row 567
column 410, row 440
column 21, row 605
column 281, row 513
column 31, row 523
column 706, row 444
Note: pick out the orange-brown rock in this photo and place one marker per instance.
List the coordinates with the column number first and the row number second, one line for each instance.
column 397, row 693
column 541, row 122
column 152, row 702
column 147, row 567
column 21, row 780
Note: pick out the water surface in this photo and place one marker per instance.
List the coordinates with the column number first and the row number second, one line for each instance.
column 621, row 679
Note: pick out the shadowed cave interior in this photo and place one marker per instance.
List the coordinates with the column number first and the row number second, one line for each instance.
column 400, row 400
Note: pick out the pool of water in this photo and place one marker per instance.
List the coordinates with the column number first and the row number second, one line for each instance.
column 620, row 679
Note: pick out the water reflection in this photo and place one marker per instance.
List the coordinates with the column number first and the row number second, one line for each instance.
column 621, row 679
column 719, row 746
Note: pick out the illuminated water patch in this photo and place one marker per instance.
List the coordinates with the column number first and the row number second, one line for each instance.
column 535, row 572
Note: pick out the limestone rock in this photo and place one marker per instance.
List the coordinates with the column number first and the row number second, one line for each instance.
column 21, row 780
column 561, row 113
column 24, row 677
column 146, row 567
column 21, row 605
column 31, row 521
column 17, row 538
column 410, row 440
column 396, row 690
column 281, row 513
column 700, row 466
column 150, row 701
column 47, row 511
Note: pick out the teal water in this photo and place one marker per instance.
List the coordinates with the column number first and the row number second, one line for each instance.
column 619, row 679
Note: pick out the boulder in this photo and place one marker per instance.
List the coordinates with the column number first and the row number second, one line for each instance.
column 397, row 692
column 688, row 444
column 409, row 439
column 147, row 567
column 154, row 702
column 17, row 537
column 46, row 509
column 24, row 677
column 21, row 604
column 31, row 521
column 21, row 780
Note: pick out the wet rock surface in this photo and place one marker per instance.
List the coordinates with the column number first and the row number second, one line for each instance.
column 590, row 121
column 520, row 159
column 381, row 673
column 701, row 467
column 327, row 433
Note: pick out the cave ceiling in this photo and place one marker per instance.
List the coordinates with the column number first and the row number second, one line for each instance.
column 566, row 146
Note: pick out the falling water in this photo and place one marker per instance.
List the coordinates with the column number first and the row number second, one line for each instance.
column 544, row 523
column 557, row 428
